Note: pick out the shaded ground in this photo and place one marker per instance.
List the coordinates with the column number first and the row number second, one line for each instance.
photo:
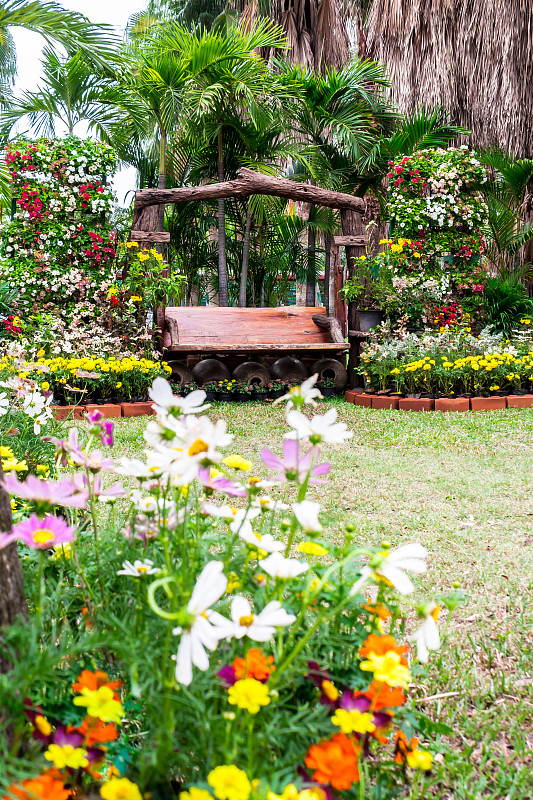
column 461, row 484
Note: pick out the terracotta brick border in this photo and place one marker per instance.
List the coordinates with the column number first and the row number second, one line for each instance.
column 108, row 410
column 492, row 403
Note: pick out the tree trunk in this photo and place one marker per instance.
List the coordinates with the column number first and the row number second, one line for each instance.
column 159, row 311
column 310, row 289
column 245, row 257
column 222, row 265
column 327, row 270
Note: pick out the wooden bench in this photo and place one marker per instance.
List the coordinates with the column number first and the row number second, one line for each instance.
column 210, row 329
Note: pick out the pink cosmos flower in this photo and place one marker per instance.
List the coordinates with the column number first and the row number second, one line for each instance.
column 220, row 483
column 294, row 466
column 101, row 427
column 61, row 493
column 41, row 534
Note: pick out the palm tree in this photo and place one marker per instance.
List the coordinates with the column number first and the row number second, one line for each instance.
column 449, row 54
column 226, row 83
column 70, row 93
column 55, row 24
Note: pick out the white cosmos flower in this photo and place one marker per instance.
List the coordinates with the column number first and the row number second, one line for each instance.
column 33, row 403
column 4, row 405
column 426, row 637
column 199, row 633
column 168, row 403
column 267, row 503
column 279, row 567
column 303, row 394
column 393, row 565
column 259, row 627
column 138, row 568
column 133, row 468
column 264, row 541
column 212, row 510
column 306, row 513
column 321, row 428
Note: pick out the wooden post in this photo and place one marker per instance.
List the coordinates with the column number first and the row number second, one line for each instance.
column 352, row 229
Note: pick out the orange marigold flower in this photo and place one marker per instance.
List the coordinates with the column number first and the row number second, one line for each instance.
column 383, row 696
column 94, row 681
column 381, row 645
column 403, row 746
column 44, row 787
column 334, row 761
column 255, row 665
column 377, row 610
column 96, row 731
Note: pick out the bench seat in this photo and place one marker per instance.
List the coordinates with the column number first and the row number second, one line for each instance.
column 211, row 329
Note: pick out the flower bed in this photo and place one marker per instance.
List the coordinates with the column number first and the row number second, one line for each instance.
column 201, row 597
column 451, row 363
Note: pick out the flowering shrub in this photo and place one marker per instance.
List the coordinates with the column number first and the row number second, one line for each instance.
column 58, row 249
column 451, row 363
column 257, row 659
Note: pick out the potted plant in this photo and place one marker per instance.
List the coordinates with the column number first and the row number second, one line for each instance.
column 327, row 387
column 359, row 289
column 259, row 392
column 277, row 389
column 210, row 388
column 224, row 391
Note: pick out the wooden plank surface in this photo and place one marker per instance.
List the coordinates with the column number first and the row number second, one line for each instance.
column 150, row 236
column 244, row 348
column 351, row 241
column 283, row 326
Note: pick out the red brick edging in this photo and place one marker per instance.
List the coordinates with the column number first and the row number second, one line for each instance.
column 108, row 410
column 439, row 404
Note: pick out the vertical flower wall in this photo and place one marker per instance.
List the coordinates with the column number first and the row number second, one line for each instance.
column 433, row 271
column 57, row 251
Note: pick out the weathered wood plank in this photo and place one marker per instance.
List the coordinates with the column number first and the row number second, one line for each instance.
column 150, row 236
column 244, row 347
column 351, row 241
column 247, row 183
column 330, row 324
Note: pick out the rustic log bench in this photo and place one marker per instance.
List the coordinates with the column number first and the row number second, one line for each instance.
column 237, row 335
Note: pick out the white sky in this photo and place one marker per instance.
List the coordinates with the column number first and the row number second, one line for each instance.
column 29, row 50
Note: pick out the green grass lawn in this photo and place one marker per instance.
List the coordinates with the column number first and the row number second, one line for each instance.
column 461, row 484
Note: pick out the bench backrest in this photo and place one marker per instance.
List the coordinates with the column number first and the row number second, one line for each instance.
column 289, row 325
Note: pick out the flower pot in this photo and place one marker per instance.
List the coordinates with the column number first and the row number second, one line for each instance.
column 364, row 400
column 277, row 393
column 210, row 395
column 329, row 391
column 370, row 319
column 224, row 397
column 108, row 410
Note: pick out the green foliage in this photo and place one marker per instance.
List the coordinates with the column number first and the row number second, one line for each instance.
column 506, row 304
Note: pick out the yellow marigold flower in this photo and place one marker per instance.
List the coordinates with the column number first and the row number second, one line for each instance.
column 237, row 462
column 6, row 452
column 42, row 469
column 353, row 721
column 42, row 725
column 229, row 783
column 290, row 792
column 63, row 550
column 120, row 789
column 249, row 695
column 396, row 248
column 40, row 353
column 416, row 255
column 196, row 794
column 101, row 704
column 66, row 755
column 45, row 386
column 387, row 668
column 419, row 759
column 14, row 464
column 395, row 371
column 132, row 244
column 118, row 385
column 136, row 299
column 312, row 549
column 427, row 366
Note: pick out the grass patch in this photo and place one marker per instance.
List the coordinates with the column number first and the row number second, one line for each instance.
column 461, row 485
